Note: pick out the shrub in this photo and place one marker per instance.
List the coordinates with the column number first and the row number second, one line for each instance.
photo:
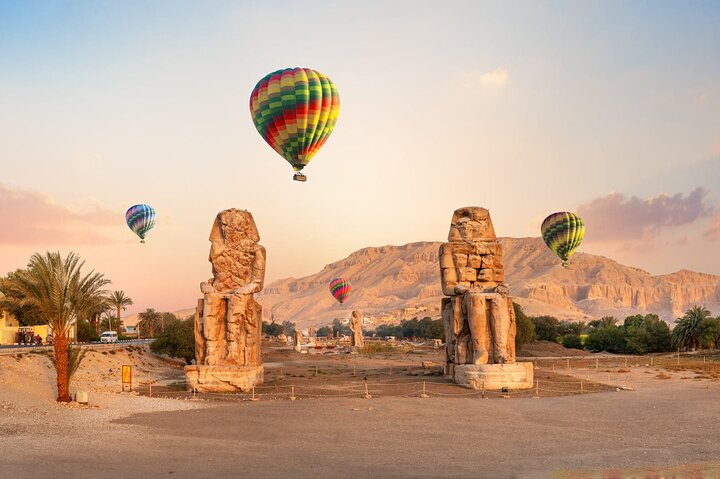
column 177, row 340
column 546, row 328
column 572, row 340
column 524, row 327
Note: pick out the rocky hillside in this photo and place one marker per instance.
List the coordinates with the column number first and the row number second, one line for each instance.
column 397, row 282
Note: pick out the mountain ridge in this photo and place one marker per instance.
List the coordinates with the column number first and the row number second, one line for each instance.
column 391, row 283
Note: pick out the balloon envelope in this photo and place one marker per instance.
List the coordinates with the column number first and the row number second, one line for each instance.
column 295, row 110
column 340, row 289
column 140, row 219
column 563, row 232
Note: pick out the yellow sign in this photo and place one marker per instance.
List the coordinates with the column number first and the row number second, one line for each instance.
column 126, row 374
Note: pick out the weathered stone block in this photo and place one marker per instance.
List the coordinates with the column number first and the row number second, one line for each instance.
column 485, row 275
column 467, row 274
column 461, row 260
column 223, row 378
column 494, row 376
column 474, row 261
column 446, row 261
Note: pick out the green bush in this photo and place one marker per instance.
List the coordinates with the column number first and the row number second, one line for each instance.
column 572, row 340
column 86, row 332
column 524, row 327
column 546, row 328
column 177, row 340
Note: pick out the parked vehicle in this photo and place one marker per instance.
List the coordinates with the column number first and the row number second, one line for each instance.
column 109, row 337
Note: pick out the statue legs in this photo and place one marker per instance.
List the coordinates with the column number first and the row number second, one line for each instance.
column 477, row 315
column 236, row 331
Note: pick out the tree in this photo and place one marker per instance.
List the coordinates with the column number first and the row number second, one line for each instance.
column 710, row 332
column 546, row 328
column 525, row 329
column 339, row 327
column 570, row 327
column 86, row 331
column 26, row 314
column 120, row 302
column 606, row 336
column 272, row 328
column 687, row 332
column 177, row 340
column 61, row 293
column 646, row 334
column 288, row 327
column 108, row 322
column 572, row 340
column 149, row 322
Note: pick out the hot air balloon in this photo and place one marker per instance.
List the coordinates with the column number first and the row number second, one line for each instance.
column 295, row 110
column 562, row 233
column 340, row 289
column 140, row 219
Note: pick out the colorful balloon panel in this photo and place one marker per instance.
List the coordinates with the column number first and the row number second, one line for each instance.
column 295, row 110
column 563, row 232
column 340, row 289
column 140, row 219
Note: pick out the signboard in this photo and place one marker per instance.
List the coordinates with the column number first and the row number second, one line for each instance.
column 127, row 377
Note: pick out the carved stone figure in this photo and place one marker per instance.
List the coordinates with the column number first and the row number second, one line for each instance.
column 298, row 340
column 312, row 333
column 478, row 313
column 356, row 340
column 228, row 319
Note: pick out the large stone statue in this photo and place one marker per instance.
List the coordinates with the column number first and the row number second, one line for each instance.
column 228, row 319
column 478, row 313
column 356, row 341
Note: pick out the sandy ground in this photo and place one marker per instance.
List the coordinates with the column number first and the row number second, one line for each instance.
column 666, row 427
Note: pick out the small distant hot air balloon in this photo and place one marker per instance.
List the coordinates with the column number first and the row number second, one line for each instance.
column 340, row 289
column 295, row 110
column 140, row 219
column 563, row 232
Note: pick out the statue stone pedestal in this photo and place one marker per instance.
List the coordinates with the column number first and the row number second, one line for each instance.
column 494, row 376
column 223, row 378
column 228, row 320
column 477, row 312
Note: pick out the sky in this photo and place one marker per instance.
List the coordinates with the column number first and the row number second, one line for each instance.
column 609, row 109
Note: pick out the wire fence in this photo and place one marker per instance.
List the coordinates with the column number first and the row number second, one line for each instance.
column 542, row 387
column 708, row 362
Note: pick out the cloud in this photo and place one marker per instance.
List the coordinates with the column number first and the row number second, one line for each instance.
column 495, row 78
column 617, row 218
column 29, row 218
column 713, row 232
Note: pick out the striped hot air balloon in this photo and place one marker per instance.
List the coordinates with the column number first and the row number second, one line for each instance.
column 295, row 110
column 563, row 232
column 340, row 289
column 140, row 219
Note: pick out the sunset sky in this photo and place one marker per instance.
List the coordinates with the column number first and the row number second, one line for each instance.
column 609, row 109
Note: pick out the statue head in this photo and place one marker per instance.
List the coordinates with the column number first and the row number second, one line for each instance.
column 232, row 226
column 470, row 224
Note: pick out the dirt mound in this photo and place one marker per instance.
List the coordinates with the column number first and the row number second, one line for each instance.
column 548, row 348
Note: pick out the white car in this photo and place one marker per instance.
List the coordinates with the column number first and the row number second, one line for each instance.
column 109, row 337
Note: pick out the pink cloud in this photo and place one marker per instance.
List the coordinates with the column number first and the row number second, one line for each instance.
column 713, row 232
column 615, row 217
column 29, row 218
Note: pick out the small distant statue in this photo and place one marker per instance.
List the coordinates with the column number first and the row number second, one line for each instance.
column 356, row 340
column 312, row 333
column 478, row 313
column 298, row 340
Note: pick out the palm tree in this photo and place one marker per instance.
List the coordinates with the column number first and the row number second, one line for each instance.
column 58, row 289
column 120, row 301
column 149, row 322
column 687, row 332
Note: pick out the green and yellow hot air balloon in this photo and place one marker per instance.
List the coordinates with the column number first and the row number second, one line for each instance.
column 295, row 110
column 563, row 232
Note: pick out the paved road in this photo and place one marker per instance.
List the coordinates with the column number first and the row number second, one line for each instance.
column 21, row 348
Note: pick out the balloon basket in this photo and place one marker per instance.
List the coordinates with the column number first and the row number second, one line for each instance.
column 299, row 177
